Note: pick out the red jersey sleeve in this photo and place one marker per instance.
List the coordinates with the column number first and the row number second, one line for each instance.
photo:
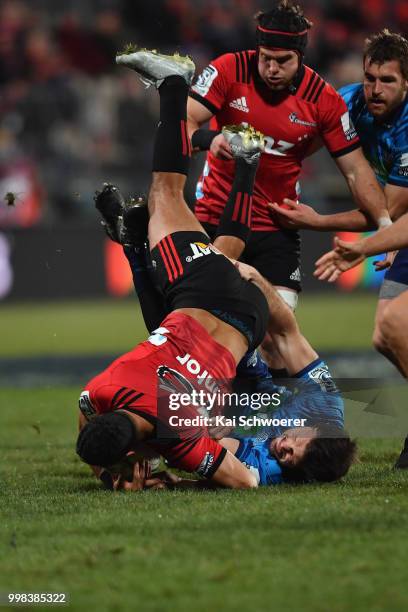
column 336, row 127
column 108, row 397
column 212, row 86
column 202, row 455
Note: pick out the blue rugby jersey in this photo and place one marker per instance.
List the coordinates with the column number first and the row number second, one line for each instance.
column 316, row 400
column 385, row 144
column 256, row 456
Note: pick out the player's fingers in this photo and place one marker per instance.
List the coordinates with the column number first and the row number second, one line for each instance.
column 137, row 472
column 147, row 469
column 225, row 150
column 155, row 484
column 381, row 265
column 324, row 259
column 284, row 212
column 291, row 203
column 118, row 483
column 325, row 273
column 334, row 276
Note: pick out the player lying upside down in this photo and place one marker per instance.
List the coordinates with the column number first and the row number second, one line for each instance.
column 216, row 316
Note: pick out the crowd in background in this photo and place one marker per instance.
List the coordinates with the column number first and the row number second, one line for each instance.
column 70, row 119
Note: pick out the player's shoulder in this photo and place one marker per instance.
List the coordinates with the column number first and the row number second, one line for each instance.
column 100, row 396
column 313, row 88
column 353, row 95
column 401, row 125
column 235, row 65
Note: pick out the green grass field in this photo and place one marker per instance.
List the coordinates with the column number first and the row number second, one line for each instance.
column 329, row 322
column 312, row 548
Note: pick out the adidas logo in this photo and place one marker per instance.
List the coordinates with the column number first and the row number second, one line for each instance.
column 240, row 104
column 295, row 276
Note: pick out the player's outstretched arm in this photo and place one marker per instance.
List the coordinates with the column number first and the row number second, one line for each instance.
column 347, row 255
column 389, row 239
column 232, row 474
column 295, row 215
column 363, row 184
column 301, row 216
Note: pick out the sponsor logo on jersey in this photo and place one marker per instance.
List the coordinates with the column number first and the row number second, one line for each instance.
column 158, row 337
column 295, row 119
column 172, row 381
column 348, row 126
column 205, row 80
column 206, row 464
column 240, row 104
column 200, row 249
column 295, row 276
column 202, row 375
column 322, row 377
column 85, row 406
column 403, row 169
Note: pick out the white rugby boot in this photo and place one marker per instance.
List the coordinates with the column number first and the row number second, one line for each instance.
column 153, row 67
column 245, row 141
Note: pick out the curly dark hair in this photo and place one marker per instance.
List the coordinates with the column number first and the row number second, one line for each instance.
column 327, row 458
column 285, row 16
column 387, row 46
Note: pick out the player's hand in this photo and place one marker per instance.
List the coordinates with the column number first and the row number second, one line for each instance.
column 295, row 216
column 220, row 148
column 346, row 255
column 141, row 473
column 384, row 264
column 163, row 480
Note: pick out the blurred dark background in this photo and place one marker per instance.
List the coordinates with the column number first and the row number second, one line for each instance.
column 69, row 119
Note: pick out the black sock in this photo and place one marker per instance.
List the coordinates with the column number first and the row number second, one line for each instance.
column 236, row 217
column 151, row 300
column 172, row 147
column 278, row 373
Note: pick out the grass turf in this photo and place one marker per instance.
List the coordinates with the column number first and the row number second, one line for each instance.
column 334, row 547
column 114, row 326
column 317, row 548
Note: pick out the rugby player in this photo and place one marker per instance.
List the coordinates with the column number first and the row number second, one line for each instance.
column 379, row 110
column 273, row 90
column 216, row 315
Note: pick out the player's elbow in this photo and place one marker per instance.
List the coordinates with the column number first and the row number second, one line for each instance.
column 248, row 481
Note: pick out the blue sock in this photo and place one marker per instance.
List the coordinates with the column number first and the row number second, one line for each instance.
column 319, row 374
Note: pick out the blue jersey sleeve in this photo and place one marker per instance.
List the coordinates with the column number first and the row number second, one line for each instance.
column 256, row 456
column 350, row 94
column 399, row 171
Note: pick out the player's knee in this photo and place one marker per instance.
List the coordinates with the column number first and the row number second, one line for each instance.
column 379, row 341
column 380, row 334
column 393, row 322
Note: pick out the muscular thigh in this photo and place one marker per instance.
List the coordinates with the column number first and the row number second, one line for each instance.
column 169, row 213
column 276, row 255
